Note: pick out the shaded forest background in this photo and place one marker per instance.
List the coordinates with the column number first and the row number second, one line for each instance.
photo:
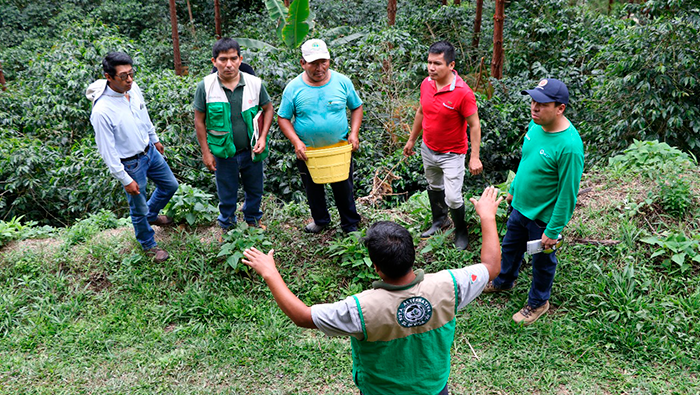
column 631, row 69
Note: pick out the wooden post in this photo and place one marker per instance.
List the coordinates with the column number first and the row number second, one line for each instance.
column 2, row 79
column 497, row 60
column 217, row 18
column 189, row 10
column 477, row 24
column 176, row 39
column 391, row 12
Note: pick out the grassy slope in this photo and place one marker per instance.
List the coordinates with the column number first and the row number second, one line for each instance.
column 98, row 317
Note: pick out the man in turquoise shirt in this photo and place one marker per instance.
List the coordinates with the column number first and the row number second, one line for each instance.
column 543, row 195
column 317, row 100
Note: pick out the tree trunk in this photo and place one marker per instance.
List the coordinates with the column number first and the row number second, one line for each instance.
column 497, row 61
column 2, row 79
column 189, row 10
column 444, row 2
column 477, row 24
column 458, row 2
column 391, row 12
column 286, row 3
column 217, row 18
column 176, row 39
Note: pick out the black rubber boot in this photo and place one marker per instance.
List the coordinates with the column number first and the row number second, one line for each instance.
column 461, row 231
column 439, row 210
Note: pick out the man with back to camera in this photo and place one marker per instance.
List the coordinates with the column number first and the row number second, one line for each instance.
column 542, row 195
column 402, row 330
column 447, row 109
column 126, row 139
column 226, row 104
column 317, row 100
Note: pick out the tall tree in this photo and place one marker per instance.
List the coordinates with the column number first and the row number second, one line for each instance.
column 2, row 78
column 217, row 18
column 391, row 12
column 497, row 60
column 477, row 24
column 176, row 39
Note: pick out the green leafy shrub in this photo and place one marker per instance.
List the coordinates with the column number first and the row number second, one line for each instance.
column 353, row 256
column 648, row 87
column 650, row 157
column 677, row 251
column 237, row 240
column 191, row 205
column 674, row 195
column 93, row 224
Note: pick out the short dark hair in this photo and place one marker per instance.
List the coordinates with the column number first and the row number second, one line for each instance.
column 445, row 48
column 114, row 59
column 390, row 248
column 224, row 45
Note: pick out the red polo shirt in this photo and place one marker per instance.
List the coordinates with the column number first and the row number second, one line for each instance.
column 445, row 115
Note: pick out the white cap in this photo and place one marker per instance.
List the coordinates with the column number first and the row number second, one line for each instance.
column 314, row 49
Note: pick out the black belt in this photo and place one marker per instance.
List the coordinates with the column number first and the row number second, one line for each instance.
column 140, row 154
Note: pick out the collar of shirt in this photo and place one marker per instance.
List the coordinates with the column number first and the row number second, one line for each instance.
column 112, row 93
column 241, row 82
column 457, row 82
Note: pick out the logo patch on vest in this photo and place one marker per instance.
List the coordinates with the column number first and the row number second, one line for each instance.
column 414, row 311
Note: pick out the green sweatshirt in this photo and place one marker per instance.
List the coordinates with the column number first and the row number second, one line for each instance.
column 547, row 182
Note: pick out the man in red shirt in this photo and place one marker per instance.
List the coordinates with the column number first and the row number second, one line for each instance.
column 447, row 107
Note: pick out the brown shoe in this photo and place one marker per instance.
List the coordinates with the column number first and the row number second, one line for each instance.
column 158, row 254
column 490, row 288
column 162, row 220
column 527, row 315
column 257, row 224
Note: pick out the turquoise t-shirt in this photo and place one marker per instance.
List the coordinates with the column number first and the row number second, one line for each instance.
column 319, row 111
column 547, row 182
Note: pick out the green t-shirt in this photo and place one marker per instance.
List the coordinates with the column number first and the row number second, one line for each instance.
column 547, row 182
column 235, row 98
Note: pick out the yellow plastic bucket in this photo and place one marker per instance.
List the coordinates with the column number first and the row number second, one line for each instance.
column 329, row 164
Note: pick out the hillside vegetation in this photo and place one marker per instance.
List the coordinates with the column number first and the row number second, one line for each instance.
column 83, row 310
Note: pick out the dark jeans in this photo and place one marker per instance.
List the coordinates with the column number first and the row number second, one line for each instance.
column 443, row 392
column 344, row 199
column 519, row 231
column 228, row 174
column 150, row 166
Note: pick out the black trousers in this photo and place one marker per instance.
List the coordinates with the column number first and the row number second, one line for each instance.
column 342, row 193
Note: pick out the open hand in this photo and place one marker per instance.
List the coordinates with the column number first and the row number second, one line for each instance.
column 263, row 264
column 487, row 205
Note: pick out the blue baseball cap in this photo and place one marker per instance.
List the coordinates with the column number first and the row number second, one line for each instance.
column 549, row 90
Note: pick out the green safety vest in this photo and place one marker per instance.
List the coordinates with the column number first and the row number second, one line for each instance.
column 408, row 334
column 218, row 115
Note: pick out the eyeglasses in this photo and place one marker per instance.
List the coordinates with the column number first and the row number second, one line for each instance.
column 125, row 76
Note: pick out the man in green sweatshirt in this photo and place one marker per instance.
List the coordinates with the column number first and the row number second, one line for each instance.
column 542, row 195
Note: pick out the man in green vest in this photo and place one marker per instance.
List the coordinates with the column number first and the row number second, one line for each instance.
column 401, row 330
column 232, row 116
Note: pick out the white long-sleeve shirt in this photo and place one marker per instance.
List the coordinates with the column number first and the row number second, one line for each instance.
column 122, row 128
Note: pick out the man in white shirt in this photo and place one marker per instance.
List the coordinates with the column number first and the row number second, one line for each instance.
column 126, row 139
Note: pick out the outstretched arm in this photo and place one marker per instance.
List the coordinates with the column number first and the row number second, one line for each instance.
column 291, row 305
column 486, row 208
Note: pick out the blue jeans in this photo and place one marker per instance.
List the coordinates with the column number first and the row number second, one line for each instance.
column 342, row 193
column 149, row 166
column 228, row 173
column 520, row 230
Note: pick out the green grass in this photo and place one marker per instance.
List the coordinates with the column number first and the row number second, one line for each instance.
column 93, row 315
